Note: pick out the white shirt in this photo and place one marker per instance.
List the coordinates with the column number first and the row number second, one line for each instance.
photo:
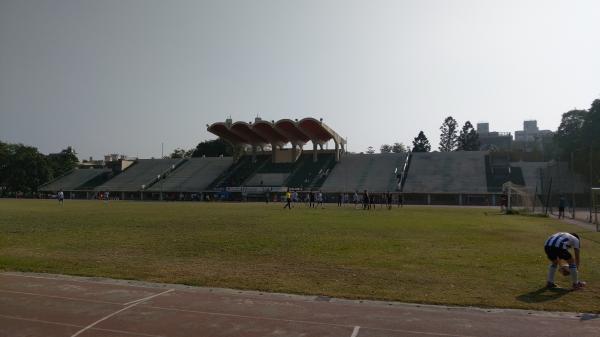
column 563, row 240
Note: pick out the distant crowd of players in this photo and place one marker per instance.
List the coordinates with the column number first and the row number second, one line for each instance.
column 364, row 200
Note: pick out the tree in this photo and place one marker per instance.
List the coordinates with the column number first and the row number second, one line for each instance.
column 448, row 137
column 62, row 162
column 385, row 148
column 399, row 148
column 421, row 143
column 24, row 168
column 180, row 153
column 370, row 150
column 4, row 155
column 213, row 148
column 569, row 136
column 591, row 125
column 468, row 139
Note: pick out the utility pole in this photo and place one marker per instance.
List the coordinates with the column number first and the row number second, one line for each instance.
column 591, row 196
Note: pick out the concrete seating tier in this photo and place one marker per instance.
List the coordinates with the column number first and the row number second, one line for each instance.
column 239, row 172
column 531, row 172
column 447, row 172
column 76, row 180
column 195, row 175
column 143, row 172
column 373, row 172
column 309, row 174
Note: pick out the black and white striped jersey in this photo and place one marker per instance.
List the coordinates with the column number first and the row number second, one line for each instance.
column 563, row 240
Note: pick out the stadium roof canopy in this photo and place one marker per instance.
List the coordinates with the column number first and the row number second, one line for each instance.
column 278, row 133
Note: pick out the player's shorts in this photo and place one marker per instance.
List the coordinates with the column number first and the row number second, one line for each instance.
column 554, row 253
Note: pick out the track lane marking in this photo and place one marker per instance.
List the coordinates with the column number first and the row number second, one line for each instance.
column 308, row 322
column 149, row 297
column 355, row 331
column 16, row 318
column 134, row 303
column 74, row 279
column 59, row 297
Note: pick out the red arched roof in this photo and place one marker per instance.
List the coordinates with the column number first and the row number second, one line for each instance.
column 289, row 128
column 243, row 130
column 220, row 129
column 315, row 129
column 268, row 131
column 278, row 133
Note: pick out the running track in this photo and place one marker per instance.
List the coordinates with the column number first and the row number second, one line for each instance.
column 52, row 305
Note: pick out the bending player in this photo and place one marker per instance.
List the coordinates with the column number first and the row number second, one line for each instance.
column 557, row 248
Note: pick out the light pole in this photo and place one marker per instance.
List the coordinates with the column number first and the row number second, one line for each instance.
column 161, row 188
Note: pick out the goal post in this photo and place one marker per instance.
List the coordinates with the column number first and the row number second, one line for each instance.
column 595, row 206
column 522, row 198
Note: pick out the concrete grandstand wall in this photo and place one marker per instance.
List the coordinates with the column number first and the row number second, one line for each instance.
column 73, row 180
column 447, row 173
column 373, row 172
column 194, row 175
column 141, row 174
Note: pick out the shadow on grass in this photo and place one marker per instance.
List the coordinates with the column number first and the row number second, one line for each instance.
column 543, row 295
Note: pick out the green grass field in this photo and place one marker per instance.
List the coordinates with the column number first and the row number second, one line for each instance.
column 453, row 256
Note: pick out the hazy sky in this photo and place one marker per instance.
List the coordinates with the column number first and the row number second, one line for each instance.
column 123, row 76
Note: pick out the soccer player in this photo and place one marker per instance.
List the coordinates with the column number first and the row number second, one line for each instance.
column 561, row 207
column 288, row 200
column 61, row 197
column 320, row 199
column 389, row 200
column 366, row 202
column 557, row 248
column 355, row 199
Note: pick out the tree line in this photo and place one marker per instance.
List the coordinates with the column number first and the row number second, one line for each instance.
column 23, row 168
column 578, row 139
column 451, row 139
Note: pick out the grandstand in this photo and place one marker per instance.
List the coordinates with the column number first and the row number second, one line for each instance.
column 263, row 164
column 77, row 180
column 193, row 175
column 447, row 178
column 281, row 167
column 238, row 172
column 447, row 172
column 498, row 170
column 140, row 176
column 531, row 172
column 372, row 172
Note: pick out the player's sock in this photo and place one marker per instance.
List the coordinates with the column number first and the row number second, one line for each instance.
column 574, row 276
column 551, row 272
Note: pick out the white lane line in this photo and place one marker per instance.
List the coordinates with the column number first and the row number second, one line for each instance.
column 306, row 322
column 355, row 331
column 118, row 312
column 149, row 297
column 16, row 318
column 38, row 321
column 73, row 279
column 58, row 297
